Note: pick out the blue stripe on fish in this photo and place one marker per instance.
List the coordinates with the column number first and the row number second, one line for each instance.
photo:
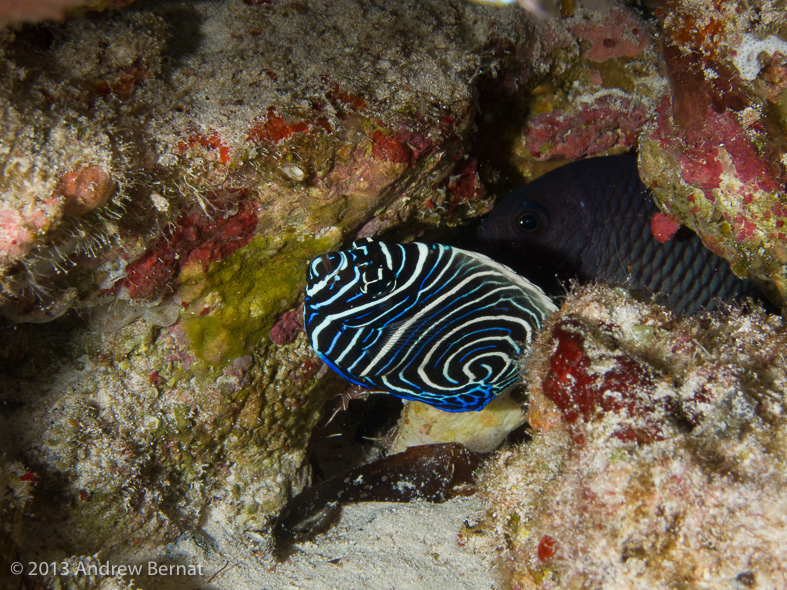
column 424, row 322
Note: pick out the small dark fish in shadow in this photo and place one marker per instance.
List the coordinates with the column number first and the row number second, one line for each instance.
column 591, row 220
column 433, row 473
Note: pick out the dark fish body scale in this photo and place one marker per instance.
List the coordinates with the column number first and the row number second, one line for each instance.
column 424, row 322
column 682, row 273
column 599, row 228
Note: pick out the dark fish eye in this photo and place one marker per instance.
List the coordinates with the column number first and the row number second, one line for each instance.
column 528, row 222
column 530, row 219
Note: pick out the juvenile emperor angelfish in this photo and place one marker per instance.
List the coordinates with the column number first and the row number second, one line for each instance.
column 424, row 322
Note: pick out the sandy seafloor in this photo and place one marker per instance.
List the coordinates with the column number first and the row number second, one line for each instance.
column 379, row 545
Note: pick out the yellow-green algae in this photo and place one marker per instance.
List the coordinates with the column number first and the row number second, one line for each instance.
column 244, row 293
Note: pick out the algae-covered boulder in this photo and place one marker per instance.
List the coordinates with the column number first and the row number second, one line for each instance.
column 166, row 173
column 715, row 151
column 658, row 458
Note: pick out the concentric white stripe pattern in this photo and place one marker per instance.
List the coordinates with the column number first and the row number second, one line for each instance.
column 424, row 322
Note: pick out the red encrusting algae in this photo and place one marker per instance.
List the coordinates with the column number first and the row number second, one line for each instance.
column 547, row 548
column 601, row 125
column 464, row 183
column 275, row 128
column 388, row 147
column 624, row 387
column 663, row 227
column 198, row 239
column 619, row 34
column 209, row 142
column 287, row 327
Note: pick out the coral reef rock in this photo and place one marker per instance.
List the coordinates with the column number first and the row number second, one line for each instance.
column 715, row 151
column 141, row 146
column 167, row 171
column 659, row 455
column 597, row 93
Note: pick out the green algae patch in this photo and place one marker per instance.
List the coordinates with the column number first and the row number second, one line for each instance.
column 233, row 304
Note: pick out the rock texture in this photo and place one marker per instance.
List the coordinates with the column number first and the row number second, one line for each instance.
column 166, row 173
column 715, row 150
column 658, row 458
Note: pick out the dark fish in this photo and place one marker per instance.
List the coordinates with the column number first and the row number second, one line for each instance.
column 591, row 220
column 431, row 473
column 424, row 322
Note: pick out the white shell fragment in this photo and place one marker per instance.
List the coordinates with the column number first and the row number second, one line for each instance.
column 292, row 172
